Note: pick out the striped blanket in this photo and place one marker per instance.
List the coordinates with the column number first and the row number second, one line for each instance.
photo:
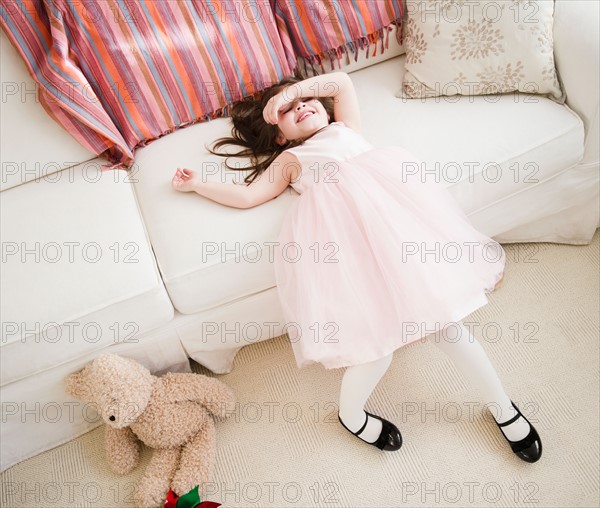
column 118, row 74
column 328, row 29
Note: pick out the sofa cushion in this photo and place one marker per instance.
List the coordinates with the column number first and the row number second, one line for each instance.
column 78, row 272
column 479, row 48
column 483, row 148
column 38, row 146
column 211, row 254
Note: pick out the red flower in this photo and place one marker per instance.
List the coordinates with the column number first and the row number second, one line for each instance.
column 190, row 499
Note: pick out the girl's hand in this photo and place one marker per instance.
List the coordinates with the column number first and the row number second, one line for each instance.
column 185, row 180
column 275, row 103
column 337, row 85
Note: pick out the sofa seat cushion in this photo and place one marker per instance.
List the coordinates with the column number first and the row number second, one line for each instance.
column 209, row 254
column 482, row 148
column 78, row 273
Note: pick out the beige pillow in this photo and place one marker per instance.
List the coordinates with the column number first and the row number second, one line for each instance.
column 479, row 47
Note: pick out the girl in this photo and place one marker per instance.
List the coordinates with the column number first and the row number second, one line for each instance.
column 370, row 257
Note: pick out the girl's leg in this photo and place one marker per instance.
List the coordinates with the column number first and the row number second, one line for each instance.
column 470, row 358
column 358, row 383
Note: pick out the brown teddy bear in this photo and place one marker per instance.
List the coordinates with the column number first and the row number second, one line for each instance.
column 172, row 414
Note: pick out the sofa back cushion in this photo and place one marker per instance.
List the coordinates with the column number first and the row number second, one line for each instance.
column 32, row 145
column 329, row 30
column 118, row 75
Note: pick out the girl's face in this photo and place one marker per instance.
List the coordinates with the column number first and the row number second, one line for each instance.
column 301, row 119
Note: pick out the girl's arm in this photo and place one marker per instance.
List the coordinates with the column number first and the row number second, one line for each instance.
column 336, row 84
column 271, row 182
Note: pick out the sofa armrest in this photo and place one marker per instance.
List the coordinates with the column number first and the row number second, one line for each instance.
column 576, row 52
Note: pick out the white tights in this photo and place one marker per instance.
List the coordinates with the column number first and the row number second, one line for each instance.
column 468, row 356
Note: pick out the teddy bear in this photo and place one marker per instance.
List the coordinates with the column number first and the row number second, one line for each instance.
column 172, row 414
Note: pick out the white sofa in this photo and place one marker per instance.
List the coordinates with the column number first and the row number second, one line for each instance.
column 99, row 261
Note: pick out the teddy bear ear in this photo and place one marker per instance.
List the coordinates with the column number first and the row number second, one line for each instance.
column 77, row 386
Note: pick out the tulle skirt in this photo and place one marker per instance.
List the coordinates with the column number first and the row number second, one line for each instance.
column 375, row 258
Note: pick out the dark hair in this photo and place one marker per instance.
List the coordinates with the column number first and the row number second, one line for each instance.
column 257, row 138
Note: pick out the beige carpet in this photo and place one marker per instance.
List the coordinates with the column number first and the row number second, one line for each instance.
column 284, row 447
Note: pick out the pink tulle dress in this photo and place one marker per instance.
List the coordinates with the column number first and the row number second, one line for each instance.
column 373, row 255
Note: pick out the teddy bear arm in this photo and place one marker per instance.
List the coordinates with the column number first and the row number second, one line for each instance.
column 122, row 449
column 215, row 395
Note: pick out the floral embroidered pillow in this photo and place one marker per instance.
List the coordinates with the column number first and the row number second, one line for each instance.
column 479, row 47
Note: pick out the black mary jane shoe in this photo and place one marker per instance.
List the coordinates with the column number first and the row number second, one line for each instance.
column 390, row 438
column 529, row 448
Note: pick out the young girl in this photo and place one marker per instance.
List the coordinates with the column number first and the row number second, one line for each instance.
column 371, row 256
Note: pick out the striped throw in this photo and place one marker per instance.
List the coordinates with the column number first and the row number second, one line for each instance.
column 328, row 29
column 118, row 74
